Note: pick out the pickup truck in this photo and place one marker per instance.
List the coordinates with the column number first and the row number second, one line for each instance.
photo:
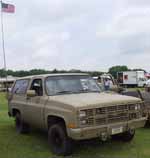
column 72, row 107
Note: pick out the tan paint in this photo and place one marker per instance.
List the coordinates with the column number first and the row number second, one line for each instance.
column 35, row 110
column 91, row 100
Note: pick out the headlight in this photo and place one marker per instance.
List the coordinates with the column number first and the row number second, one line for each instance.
column 137, row 107
column 86, row 117
column 83, row 122
column 82, row 114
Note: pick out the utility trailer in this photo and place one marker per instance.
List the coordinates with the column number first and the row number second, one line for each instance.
column 131, row 78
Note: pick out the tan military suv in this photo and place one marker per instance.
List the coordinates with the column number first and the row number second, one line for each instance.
column 72, row 107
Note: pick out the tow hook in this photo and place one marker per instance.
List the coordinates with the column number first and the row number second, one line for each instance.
column 104, row 137
column 131, row 131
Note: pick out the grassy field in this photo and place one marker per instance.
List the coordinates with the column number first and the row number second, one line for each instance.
column 133, row 89
column 34, row 145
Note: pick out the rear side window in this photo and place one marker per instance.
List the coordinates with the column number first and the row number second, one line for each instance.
column 126, row 77
column 20, row 86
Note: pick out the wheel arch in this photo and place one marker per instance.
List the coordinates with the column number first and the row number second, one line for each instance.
column 15, row 111
column 53, row 119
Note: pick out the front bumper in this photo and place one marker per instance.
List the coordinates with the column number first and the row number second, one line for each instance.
column 98, row 131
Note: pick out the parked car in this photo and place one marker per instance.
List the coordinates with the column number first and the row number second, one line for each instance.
column 72, row 107
column 143, row 95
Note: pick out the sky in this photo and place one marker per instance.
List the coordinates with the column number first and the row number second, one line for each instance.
column 75, row 34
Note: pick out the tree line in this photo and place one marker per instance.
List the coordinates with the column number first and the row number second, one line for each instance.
column 21, row 73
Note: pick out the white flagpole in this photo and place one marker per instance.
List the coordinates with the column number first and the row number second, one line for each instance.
column 3, row 44
column 3, row 41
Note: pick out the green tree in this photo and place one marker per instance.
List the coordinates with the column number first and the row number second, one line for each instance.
column 22, row 73
column 113, row 70
column 3, row 73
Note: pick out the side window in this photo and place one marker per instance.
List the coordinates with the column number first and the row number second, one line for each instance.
column 20, row 86
column 37, row 86
column 126, row 77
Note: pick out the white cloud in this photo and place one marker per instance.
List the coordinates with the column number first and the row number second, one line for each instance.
column 66, row 34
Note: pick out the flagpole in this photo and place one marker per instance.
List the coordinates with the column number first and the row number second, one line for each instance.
column 3, row 45
column 3, row 41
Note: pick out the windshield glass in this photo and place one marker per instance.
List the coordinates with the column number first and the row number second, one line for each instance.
column 70, row 84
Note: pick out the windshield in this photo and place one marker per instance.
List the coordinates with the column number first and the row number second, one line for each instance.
column 70, row 84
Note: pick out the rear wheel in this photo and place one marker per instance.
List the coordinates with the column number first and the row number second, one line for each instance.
column 21, row 127
column 59, row 142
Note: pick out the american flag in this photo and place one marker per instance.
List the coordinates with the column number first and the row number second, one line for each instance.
column 8, row 8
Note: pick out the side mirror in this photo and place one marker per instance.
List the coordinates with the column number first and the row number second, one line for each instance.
column 31, row 93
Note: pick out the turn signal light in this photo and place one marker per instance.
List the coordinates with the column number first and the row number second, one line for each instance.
column 71, row 125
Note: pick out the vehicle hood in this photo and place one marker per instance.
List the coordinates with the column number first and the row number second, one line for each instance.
column 87, row 100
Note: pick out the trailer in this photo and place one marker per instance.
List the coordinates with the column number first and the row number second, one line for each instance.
column 131, row 78
column 6, row 83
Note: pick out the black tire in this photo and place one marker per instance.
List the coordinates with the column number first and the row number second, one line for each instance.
column 59, row 142
column 21, row 127
column 128, row 136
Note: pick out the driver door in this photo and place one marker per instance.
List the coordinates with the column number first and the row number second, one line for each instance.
column 33, row 111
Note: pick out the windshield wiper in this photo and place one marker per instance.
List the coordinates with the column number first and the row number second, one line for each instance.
column 61, row 92
column 87, row 91
column 80, row 91
column 95, row 91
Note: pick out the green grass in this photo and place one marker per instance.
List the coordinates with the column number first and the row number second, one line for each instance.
column 34, row 144
column 133, row 89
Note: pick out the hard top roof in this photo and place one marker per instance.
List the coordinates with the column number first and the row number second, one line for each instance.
column 56, row 74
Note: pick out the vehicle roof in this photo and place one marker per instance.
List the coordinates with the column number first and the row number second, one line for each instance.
column 56, row 74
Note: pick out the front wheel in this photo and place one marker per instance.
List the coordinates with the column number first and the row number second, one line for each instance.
column 59, row 142
column 128, row 136
column 21, row 127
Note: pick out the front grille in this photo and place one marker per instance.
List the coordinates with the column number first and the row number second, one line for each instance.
column 90, row 121
column 117, row 117
column 112, row 114
column 112, row 109
column 134, row 115
column 101, row 111
column 89, row 112
column 122, row 107
column 100, row 121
